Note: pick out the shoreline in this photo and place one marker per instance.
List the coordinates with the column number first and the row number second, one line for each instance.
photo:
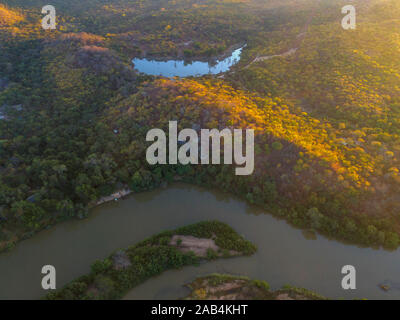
column 228, row 52
column 112, row 197
column 8, row 245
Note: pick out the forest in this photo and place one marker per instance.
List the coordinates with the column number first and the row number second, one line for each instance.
column 74, row 114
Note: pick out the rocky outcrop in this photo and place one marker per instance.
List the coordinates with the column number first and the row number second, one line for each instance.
column 115, row 196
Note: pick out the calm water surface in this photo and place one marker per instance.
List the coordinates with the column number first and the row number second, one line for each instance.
column 179, row 68
column 284, row 254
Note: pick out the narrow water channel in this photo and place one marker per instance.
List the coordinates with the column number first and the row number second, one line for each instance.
column 285, row 255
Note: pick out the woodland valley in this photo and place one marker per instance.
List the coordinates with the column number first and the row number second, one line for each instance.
column 324, row 104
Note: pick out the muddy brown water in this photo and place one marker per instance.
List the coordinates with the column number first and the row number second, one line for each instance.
column 285, row 255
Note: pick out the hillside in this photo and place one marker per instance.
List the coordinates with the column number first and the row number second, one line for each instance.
column 326, row 115
column 9, row 17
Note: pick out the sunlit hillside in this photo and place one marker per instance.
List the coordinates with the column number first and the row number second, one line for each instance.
column 9, row 17
column 324, row 102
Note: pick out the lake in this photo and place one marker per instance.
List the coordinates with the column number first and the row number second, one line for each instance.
column 285, row 255
column 180, row 68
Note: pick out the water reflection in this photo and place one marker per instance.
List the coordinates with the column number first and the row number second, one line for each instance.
column 181, row 68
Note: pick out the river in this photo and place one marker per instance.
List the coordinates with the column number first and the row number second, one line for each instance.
column 284, row 256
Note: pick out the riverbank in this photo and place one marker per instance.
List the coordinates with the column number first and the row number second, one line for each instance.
column 114, row 196
column 284, row 255
column 112, row 277
column 18, row 234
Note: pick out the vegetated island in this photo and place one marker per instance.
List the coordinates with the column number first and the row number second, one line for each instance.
column 229, row 287
column 114, row 276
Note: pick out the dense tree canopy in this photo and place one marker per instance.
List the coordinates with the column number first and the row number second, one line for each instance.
column 74, row 113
